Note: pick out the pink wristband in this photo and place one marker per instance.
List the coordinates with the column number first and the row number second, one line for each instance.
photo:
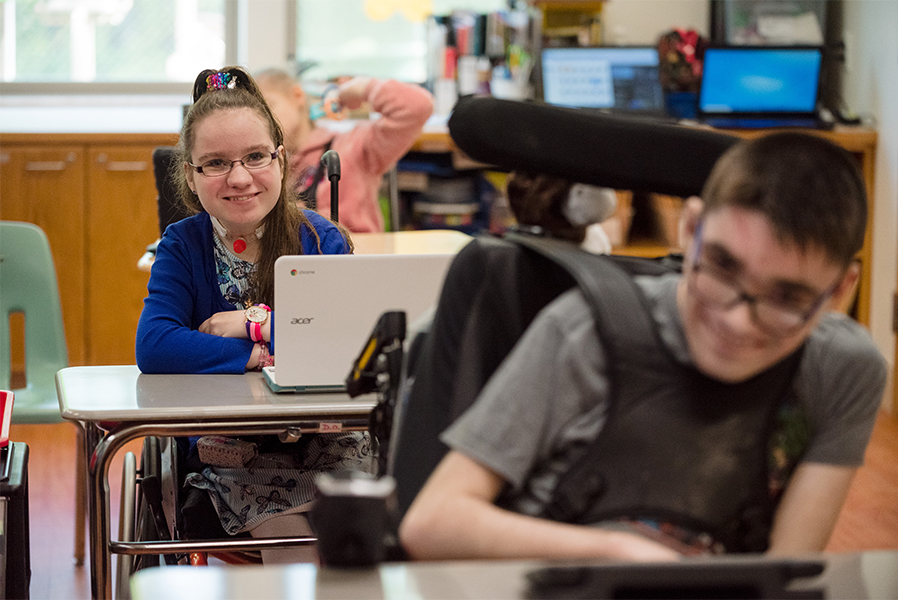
column 254, row 331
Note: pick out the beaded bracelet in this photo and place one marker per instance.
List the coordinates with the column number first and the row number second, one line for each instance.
column 265, row 359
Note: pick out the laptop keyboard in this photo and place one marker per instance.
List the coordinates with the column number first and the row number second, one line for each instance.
column 763, row 123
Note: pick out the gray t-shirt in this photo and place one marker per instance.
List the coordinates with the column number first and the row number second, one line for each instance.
column 551, row 392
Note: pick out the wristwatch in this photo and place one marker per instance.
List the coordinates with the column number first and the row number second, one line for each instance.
column 256, row 316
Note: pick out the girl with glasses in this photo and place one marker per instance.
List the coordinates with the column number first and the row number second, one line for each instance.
column 210, row 301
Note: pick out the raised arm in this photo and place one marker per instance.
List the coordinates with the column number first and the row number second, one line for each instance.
column 454, row 517
column 404, row 109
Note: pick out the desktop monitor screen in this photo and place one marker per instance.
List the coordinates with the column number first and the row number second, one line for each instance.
column 624, row 78
column 760, row 80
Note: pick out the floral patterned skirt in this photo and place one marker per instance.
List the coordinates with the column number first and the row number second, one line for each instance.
column 279, row 482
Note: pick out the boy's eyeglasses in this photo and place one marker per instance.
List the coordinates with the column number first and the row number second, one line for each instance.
column 254, row 160
column 774, row 316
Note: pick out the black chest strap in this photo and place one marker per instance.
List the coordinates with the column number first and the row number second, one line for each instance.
column 677, row 445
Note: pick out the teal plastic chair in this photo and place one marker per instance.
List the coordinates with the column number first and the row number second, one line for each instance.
column 28, row 285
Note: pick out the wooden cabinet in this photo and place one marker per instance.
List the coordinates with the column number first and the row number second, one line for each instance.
column 45, row 185
column 94, row 195
column 121, row 221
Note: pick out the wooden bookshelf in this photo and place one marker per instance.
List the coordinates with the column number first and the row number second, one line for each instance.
column 859, row 141
column 570, row 22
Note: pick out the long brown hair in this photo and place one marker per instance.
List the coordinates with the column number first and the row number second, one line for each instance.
column 286, row 218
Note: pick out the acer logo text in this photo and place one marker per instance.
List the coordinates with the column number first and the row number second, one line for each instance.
column 301, row 320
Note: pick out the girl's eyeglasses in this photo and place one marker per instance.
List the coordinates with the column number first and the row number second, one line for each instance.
column 254, row 160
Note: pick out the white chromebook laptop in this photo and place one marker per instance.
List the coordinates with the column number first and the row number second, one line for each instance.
column 325, row 308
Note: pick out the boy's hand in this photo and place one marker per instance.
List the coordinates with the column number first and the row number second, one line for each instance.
column 454, row 517
column 630, row 546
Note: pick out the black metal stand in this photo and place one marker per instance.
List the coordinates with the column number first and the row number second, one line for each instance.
column 15, row 544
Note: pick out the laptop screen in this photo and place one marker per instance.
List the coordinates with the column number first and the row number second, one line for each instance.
column 624, row 78
column 760, row 80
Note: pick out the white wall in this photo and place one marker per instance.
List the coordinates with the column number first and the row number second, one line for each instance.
column 870, row 88
column 626, row 22
column 268, row 42
column 643, row 21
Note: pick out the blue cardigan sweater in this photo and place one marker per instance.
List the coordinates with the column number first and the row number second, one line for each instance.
column 183, row 292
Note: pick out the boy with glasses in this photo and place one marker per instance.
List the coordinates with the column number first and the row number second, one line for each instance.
column 737, row 428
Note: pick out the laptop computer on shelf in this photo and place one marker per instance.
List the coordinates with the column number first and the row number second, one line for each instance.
column 326, row 306
column 620, row 80
column 752, row 87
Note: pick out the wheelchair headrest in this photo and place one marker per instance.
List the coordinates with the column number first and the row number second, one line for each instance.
column 617, row 152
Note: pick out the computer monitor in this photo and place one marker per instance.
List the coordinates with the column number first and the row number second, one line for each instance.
column 758, row 80
column 617, row 78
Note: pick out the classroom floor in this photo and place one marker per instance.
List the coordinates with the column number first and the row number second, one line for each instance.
column 868, row 521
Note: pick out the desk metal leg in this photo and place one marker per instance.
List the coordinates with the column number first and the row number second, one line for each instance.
column 104, row 447
column 92, row 439
column 80, row 493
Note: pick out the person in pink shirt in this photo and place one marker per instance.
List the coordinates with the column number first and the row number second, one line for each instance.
column 366, row 151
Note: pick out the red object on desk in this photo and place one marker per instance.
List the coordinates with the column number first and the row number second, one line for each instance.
column 450, row 59
column 6, row 402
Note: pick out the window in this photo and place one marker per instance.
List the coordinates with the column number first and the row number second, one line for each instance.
column 110, row 40
column 380, row 38
column 158, row 46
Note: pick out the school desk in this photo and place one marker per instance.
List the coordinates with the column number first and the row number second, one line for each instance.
column 851, row 575
column 116, row 404
column 424, row 241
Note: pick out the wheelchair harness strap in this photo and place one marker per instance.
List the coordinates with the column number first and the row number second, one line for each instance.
column 677, row 446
